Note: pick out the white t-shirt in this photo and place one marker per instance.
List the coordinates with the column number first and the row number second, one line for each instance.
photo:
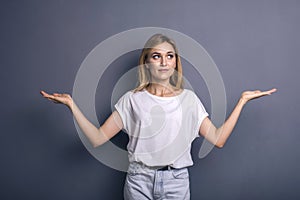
column 161, row 129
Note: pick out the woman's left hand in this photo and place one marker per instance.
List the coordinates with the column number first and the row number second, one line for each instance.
column 249, row 95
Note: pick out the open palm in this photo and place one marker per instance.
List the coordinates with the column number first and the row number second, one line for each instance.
column 58, row 98
column 249, row 95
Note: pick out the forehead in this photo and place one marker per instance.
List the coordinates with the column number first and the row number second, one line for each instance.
column 163, row 48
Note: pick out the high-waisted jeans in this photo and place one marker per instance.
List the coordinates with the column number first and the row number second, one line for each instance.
column 144, row 182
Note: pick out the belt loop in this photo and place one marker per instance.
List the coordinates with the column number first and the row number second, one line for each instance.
column 169, row 167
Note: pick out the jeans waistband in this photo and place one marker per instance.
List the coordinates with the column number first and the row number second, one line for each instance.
column 168, row 167
column 138, row 165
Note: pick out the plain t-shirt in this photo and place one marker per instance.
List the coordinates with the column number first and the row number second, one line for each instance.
column 161, row 129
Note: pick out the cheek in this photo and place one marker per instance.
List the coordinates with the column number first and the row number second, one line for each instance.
column 154, row 65
column 173, row 64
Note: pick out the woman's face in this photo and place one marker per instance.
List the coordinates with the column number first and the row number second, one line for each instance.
column 161, row 62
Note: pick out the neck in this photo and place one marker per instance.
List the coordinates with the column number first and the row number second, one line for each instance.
column 160, row 89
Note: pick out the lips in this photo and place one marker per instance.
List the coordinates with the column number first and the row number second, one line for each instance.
column 163, row 70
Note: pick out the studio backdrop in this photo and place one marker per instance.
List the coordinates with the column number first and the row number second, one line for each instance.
column 226, row 47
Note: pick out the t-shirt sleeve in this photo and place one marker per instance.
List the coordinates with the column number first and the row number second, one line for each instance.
column 123, row 107
column 200, row 114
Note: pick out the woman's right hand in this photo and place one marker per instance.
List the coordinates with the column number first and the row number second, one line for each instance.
column 65, row 99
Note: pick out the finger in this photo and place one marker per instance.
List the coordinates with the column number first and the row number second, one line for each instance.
column 263, row 94
column 269, row 92
column 255, row 95
column 56, row 102
column 46, row 95
column 272, row 90
column 43, row 93
column 56, row 94
column 51, row 97
column 55, row 99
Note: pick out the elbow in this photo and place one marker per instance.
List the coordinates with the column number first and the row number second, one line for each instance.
column 220, row 145
column 96, row 144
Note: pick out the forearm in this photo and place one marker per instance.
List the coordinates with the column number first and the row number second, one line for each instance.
column 95, row 135
column 223, row 132
column 218, row 136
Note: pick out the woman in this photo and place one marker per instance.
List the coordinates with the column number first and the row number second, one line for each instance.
column 161, row 119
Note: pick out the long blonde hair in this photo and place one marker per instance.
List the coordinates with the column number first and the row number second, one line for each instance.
column 176, row 79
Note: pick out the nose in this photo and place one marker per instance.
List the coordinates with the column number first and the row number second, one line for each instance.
column 163, row 61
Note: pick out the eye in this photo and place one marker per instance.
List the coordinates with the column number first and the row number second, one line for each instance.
column 170, row 56
column 155, row 56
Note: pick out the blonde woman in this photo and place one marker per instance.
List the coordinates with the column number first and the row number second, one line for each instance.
column 161, row 119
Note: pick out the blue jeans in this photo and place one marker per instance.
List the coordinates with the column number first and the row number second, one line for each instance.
column 144, row 182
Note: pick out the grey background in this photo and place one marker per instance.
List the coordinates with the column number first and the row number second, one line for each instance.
column 255, row 44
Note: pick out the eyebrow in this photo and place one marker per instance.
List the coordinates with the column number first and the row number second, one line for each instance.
column 155, row 52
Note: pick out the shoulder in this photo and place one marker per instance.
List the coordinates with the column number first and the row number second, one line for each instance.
column 189, row 93
column 131, row 95
column 191, row 97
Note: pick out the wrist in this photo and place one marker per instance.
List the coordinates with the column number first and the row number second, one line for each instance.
column 70, row 104
column 243, row 101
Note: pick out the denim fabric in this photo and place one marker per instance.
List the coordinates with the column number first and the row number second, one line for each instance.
column 144, row 182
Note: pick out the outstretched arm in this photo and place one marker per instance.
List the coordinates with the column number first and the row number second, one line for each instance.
column 218, row 136
column 97, row 136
